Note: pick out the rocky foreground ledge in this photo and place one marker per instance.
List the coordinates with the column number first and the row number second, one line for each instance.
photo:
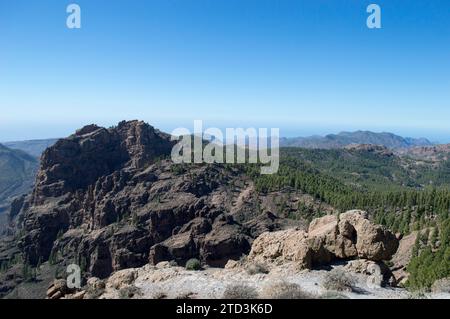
column 348, row 236
column 338, row 257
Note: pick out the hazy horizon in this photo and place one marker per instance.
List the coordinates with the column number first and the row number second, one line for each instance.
column 306, row 67
column 44, row 132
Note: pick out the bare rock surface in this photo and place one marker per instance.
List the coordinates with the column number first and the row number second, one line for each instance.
column 167, row 282
column 351, row 235
column 403, row 256
column 111, row 199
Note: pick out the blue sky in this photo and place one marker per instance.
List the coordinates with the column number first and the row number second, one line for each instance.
column 307, row 67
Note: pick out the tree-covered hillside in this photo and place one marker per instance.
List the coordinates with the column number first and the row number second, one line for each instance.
column 396, row 192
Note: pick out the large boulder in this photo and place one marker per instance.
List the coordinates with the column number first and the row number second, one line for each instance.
column 351, row 235
column 282, row 246
column 372, row 242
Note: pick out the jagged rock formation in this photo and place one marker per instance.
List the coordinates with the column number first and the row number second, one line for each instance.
column 328, row 238
column 108, row 200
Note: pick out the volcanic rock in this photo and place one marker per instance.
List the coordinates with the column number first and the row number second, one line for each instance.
column 111, row 199
column 328, row 238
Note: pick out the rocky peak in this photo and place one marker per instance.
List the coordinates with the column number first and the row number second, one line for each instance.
column 78, row 161
column 142, row 142
column 87, row 129
column 105, row 197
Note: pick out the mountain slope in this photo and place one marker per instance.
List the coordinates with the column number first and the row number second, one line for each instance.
column 343, row 139
column 436, row 153
column 17, row 171
column 32, row 147
column 111, row 199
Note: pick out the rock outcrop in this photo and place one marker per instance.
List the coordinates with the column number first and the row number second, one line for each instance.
column 110, row 199
column 349, row 236
column 58, row 289
column 403, row 256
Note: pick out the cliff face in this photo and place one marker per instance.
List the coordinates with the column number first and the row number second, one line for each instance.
column 107, row 199
column 93, row 152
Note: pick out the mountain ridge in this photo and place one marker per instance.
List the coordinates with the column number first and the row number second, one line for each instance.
column 32, row 147
column 343, row 139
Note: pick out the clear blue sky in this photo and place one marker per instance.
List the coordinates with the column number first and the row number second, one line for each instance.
column 307, row 67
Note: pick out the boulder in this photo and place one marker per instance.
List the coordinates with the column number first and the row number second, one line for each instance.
column 372, row 242
column 351, row 235
column 95, row 283
column 121, row 279
column 282, row 246
column 379, row 275
column 58, row 289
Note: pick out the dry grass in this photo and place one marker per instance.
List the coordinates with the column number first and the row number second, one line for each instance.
column 338, row 280
column 285, row 290
column 240, row 291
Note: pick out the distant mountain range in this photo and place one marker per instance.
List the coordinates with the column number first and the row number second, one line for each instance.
column 331, row 141
column 32, row 147
column 344, row 139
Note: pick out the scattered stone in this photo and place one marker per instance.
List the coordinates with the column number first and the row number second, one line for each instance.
column 121, row 279
column 58, row 289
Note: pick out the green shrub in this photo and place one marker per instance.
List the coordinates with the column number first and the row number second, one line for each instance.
column 193, row 264
column 430, row 265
